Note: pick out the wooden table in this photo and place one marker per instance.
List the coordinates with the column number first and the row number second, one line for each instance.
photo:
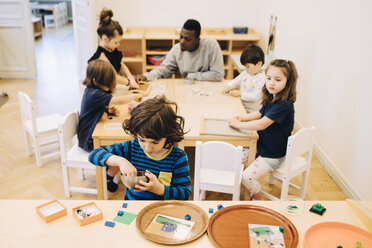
column 20, row 226
column 192, row 107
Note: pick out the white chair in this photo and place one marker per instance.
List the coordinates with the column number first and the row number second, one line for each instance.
column 298, row 161
column 49, row 21
column 41, row 130
column 72, row 156
column 218, row 168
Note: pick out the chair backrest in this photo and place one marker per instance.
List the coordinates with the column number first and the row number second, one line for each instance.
column 28, row 111
column 299, row 144
column 67, row 132
column 219, row 155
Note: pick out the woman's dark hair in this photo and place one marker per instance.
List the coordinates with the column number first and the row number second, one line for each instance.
column 106, row 25
column 289, row 92
column 252, row 54
column 100, row 73
column 156, row 118
column 192, row 24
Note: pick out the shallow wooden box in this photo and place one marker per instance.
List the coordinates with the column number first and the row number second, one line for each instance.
column 87, row 220
column 51, row 210
column 144, row 89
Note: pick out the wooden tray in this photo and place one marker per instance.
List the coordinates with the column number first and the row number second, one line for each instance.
column 334, row 234
column 176, row 209
column 144, row 89
column 228, row 227
column 212, row 126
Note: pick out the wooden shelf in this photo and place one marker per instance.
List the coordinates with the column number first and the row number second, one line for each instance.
column 143, row 41
column 132, row 59
column 37, row 26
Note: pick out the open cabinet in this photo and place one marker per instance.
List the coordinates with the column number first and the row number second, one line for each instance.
column 145, row 48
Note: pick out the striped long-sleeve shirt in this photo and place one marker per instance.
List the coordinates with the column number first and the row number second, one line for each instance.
column 172, row 170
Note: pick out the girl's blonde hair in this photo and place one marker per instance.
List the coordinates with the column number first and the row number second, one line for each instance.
column 106, row 25
column 100, row 73
column 289, row 92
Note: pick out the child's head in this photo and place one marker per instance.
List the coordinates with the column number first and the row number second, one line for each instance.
column 109, row 31
column 281, row 78
column 100, row 73
column 253, row 59
column 156, row 118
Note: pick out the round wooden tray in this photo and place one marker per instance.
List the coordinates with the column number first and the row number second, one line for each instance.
column 228, row 227
column 177, row 209
column 333, row 234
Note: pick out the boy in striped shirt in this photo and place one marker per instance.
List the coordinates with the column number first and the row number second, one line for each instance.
column 156, row 127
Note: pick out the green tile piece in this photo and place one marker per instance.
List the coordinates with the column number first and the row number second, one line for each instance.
column 126, row 218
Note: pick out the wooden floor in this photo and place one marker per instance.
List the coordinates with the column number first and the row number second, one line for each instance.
column 58, row 90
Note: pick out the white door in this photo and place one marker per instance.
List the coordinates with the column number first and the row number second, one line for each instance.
column 85, row 37
column 17, row 53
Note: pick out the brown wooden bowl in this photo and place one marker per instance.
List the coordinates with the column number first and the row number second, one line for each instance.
column 228, row 227
column 177, row 209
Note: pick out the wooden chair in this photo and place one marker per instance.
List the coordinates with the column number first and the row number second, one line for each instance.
column 72, row 156
column 41, row 130
column 297, row 161
column 218, row 168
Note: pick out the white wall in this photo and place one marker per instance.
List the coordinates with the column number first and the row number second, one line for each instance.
column 329, row 41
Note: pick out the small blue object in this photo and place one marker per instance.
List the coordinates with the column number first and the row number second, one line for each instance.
column 169, row 227
column 219, row 206
column 125, row 205
column 187, row 217
column 211, row 210
column 110, row 223
column 240, row 30
column 120, row 213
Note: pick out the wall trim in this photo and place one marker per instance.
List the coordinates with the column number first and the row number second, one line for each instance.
column 347, row 188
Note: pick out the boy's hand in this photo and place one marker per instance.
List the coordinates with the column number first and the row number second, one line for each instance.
column 226, row 90
column 127, row 169
column 153, row 185
column 235, row 93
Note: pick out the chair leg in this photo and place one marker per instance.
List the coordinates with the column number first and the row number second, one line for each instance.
column 27, row 143
column 37, row 152
column 66, row 179
column 271, row 179
column 203, row 193
column 80, row 174
column 196, row 192
column 305, row 178
column 285, row 186
column 236, row 194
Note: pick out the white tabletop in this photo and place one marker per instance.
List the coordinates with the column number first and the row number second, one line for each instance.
column 20, row 226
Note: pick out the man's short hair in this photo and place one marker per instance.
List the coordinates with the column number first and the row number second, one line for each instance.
column 192, row 24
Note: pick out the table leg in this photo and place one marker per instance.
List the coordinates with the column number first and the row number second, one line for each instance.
column 99, row 181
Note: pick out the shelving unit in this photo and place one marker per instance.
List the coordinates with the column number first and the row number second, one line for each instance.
column 37, row 26
column 139, row 42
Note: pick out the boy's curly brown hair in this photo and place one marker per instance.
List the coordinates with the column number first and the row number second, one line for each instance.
column 156, row 118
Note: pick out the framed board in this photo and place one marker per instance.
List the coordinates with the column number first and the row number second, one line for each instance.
column 213, row 126
column 144, row 89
